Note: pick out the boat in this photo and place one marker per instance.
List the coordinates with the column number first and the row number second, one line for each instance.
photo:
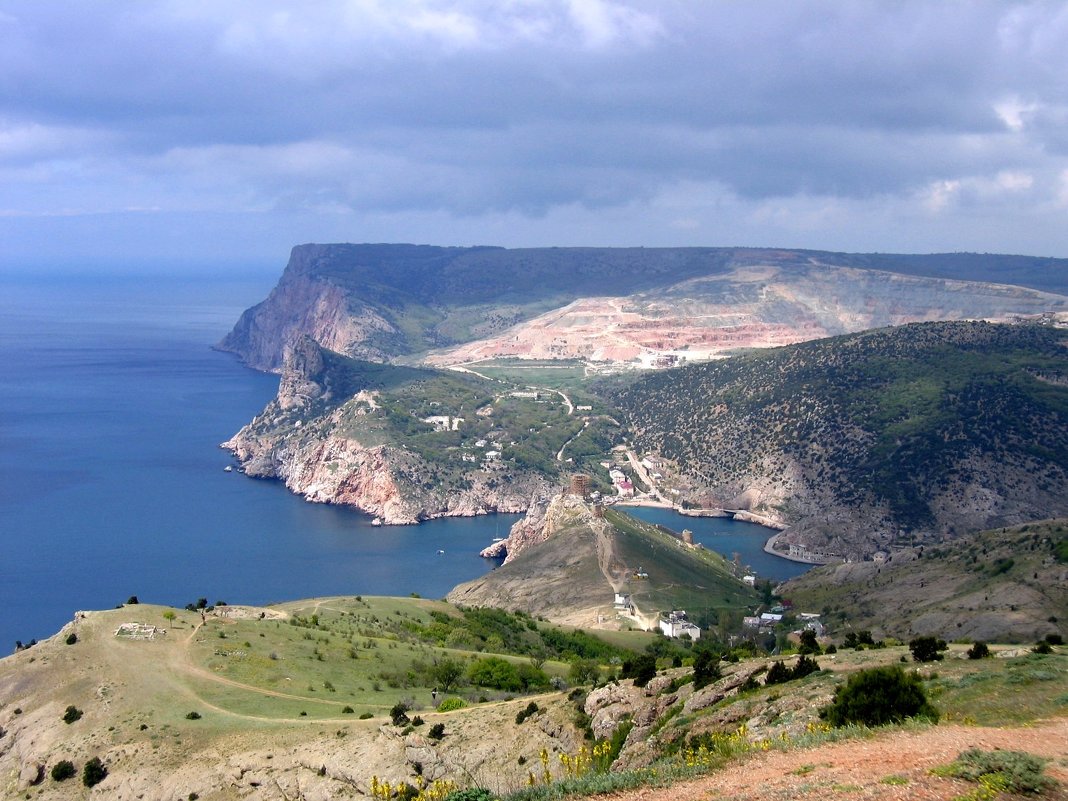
column 440, row 551
column 377, row 521
column 229, row 468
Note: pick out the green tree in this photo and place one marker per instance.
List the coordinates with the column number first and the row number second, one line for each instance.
column 63, row 770
column 705, row 668
column 495, row 672
column 641, row 668
column 94, row 772
column 878, row 696
column 925, row 649
column 446, row 673
column 584, row 671
column 809, row 645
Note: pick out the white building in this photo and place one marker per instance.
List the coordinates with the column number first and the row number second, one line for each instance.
column 676, row 625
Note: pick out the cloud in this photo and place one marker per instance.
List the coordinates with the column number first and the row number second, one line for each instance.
column 514, row 117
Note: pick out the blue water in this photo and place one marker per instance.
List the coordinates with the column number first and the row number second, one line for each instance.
column 112, row 405
column 728, row 536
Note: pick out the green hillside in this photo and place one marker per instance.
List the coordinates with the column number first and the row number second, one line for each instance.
column 1003, row 585
column 940, row 427
column 574, row 574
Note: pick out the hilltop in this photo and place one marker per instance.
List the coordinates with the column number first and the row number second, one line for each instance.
column 874, row 441
column 300, row 701
column 384, row 302
column 568, row 561
column 1003, row 585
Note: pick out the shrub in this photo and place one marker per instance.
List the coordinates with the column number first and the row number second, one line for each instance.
column 878, row 696
column 809, row 645
column 366, row 715
column 71, row 714
column 805, row 665
column 132, row 600
column 1042, row 647
column 1016, row 771
column 63, row 770
column 980, row 650
column 531, row 710
column 451, row 704
column 705, row 669
column 437, row 731
column 347, row 710
column 925, row 649
column 71, row 638
column 398, row 714
column 1055, row 639
column 470, row 794
column 192, row 716
column 94, row 772
column 778, row 673
column 641, row 668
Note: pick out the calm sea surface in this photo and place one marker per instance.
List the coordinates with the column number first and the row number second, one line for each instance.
column 112, row 405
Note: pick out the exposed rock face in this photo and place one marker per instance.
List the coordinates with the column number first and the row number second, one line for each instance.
column 757, row 306
column 304, row 439
column 381, row 301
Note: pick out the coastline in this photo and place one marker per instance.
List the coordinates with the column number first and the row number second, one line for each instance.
column 769, row 547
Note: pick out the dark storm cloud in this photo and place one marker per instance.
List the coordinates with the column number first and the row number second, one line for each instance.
column 479, row 111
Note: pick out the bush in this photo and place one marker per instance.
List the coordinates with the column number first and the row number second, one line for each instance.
column 347, row 710
column 366, row 715
column 94, row 772
column 398, row 714
column 1042, row 647
column 805, row 665
column 1018, row 772
column 451, row 704
column 705, row 669
column 192, row 716
column 437, row 731
column 470, row 794
column 63, row 770
column 530, row 711
column 925, row 649
column 132, row 600
column 778, row 673
column 878, row 696
column 71, row 714
column 71, row 638
column 1055, row 639
column 980, row 650
column 641, row 668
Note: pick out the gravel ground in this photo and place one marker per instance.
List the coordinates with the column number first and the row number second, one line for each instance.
column 859, row 769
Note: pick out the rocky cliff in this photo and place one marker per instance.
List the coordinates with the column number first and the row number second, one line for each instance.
column 379, row 302
column 326, row 436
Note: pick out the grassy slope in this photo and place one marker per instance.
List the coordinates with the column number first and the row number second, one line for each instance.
column 1005, row 585
column 561, row 576
column 135, row 696
column 885, row 419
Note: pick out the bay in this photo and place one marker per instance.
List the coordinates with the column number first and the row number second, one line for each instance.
column 112, row 406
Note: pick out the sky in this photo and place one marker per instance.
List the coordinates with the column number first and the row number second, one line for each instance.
column 165, row 134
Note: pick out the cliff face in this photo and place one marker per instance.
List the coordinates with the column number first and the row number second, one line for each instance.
column 322, row 437
column 378, row 302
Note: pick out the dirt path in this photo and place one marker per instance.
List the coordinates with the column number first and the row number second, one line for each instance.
column 857, row 769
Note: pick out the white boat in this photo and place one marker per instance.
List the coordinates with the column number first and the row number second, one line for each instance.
column 229, row 468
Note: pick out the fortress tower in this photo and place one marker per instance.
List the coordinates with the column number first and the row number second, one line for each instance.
column 580, row 484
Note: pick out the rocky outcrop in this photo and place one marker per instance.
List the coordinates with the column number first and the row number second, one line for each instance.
column 317, row 442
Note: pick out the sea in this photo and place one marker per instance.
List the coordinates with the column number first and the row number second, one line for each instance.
column 112, row 481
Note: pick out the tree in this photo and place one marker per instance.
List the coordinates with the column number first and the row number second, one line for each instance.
column 495, row 672
column 94, row 772
column 641, row 668
column 584, row 671
column 778, row 673
column 980, row 650
column 809, row 645
column 446, row 673
column 925, row 649
column 705, row 668
column 63, row 770
column 878, row 696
